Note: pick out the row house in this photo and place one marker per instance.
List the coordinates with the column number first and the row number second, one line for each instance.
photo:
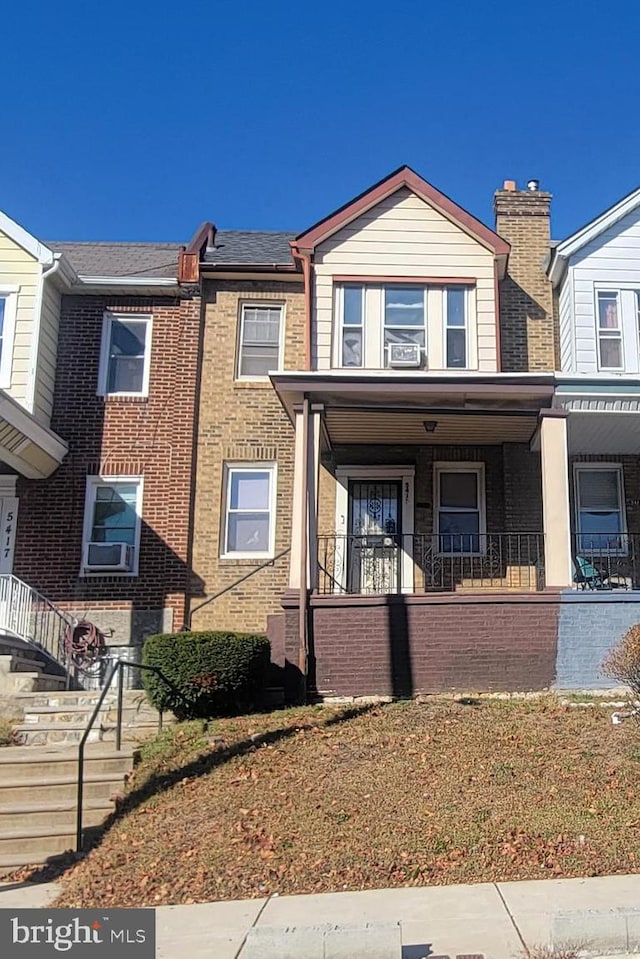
column 409, row 438
column 99, row 346
column 400, row 442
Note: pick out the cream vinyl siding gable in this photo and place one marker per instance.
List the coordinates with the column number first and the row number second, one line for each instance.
column 21, row 269
column 610, row 262
column 45, row 375
column 404, row 236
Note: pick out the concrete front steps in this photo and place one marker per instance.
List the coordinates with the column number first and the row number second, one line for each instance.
column 62, row 717
column 38, row 791
column 24, row 669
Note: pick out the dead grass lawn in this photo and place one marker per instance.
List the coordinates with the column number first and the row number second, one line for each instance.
column 329, row 799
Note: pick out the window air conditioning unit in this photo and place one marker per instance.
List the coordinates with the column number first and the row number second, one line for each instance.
column 404, row 354
column 109, row 557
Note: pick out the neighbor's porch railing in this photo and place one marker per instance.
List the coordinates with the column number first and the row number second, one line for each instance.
column 377, row 564
column 27, row 614
column 606, row 560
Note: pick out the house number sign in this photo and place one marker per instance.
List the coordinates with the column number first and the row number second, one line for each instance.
column 8, row 520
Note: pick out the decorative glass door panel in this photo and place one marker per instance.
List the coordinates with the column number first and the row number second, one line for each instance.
column 373, row 554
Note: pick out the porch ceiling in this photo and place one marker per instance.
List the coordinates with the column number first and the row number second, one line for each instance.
column 354, row 426
column 25, row 445
column 603, row 432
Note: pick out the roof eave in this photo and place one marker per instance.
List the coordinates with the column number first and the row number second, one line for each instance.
column 404, row 177
column 207, row 267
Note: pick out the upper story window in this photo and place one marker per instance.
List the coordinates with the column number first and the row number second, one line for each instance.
column 112, row 522
column 260, row 340
column 609, row 331
column 456, row 327
column 8, row 306
column 434, row 323
column 404, row 317
column 125, row 356
column 352, row 325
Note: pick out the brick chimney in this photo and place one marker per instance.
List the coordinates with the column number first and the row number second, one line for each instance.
column 526, row 297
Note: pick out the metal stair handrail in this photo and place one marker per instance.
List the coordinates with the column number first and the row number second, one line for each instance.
column 118, row 667
column 27, row 614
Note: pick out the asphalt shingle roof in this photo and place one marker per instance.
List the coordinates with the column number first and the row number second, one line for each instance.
column 121, row 259
column 251, row 247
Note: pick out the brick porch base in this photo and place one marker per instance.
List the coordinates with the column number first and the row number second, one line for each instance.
column 403, row 645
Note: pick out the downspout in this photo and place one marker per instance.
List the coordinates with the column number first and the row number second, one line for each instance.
column 303, row 644
column 305, row 260
column 496, row 293
column 31, row 396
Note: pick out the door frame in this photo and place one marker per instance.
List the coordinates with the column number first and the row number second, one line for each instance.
column 406, row 475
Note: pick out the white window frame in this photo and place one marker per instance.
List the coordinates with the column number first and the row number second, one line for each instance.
column 424, row 350
column 617, row 468
column 619, row 332
column 465, row 328
column 229, row 470
column 10, row 295
column 479, row 469
column 341, row 324
column 258, row 305
column 103, row 372
column 92, row 484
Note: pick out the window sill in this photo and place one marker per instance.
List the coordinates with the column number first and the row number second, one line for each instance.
column 105, row 574
column 253, row 384
column 108, row 398
column 246, row 558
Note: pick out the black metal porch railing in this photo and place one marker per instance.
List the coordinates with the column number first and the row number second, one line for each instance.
column 382, row 563
column 606, row 561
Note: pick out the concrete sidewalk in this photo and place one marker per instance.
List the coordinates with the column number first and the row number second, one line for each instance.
column 499, row 921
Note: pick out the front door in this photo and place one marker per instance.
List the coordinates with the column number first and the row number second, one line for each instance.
column 373, row 556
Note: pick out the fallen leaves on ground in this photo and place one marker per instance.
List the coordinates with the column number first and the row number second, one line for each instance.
column 321, row 799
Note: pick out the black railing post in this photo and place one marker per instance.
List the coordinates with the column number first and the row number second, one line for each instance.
column 120, row 698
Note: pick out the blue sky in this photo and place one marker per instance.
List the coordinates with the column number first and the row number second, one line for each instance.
column 138, row 120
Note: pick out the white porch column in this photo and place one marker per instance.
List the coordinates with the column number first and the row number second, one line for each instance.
column 312, row 457
column 555, row 498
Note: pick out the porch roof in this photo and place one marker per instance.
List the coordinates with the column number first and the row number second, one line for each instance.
column 26, row 445
column 387, row 407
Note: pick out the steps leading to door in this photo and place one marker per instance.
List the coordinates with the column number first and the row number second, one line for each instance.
column 24, row 669
column 38, row 789
column 62, row 717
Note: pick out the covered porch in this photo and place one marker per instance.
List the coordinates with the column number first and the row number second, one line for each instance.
column 414, row 485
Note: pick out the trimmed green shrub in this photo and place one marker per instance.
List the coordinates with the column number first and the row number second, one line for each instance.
column 209, row 674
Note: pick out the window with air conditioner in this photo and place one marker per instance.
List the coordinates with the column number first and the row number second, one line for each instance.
column 404, row 326
column 113, row 510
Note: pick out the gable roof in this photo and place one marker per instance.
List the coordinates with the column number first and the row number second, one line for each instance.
column 402, row 177
column 24, row 239
column 121, row 259
column 590, row 231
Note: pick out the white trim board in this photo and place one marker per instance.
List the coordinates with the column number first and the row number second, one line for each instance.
column 29, row 243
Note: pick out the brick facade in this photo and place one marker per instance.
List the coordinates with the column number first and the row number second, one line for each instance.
column 527, row 322
column 403, row 645
column 241, row 422
column 512, row 481
column 149, row 436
